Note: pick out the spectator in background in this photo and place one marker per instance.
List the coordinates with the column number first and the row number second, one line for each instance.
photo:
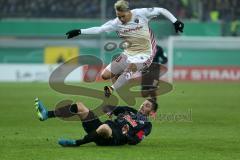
column 235, row 27
column 212, row 10
column 50, row 8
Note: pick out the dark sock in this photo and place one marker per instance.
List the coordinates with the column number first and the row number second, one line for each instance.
column 73, row 108
column 66, row 111
column 91, row 137
column 51, row 114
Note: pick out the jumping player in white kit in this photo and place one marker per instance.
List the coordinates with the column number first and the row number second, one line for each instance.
column 140, row 46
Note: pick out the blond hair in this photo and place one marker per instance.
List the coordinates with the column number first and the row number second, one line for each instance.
column 121, row 6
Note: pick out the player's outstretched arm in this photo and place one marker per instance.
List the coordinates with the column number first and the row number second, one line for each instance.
column 135, row 139
column 116, row 110
column 77, row 32
column 73, row 33
column 178, row 25
column 109, row 26
column 156, row 11
column 122, row 109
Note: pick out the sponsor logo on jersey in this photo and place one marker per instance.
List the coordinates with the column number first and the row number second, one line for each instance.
column 131, row 29
column 129, row 119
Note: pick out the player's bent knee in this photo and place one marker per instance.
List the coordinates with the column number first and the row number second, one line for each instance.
column 106, row 75
column 81, row 107
column 104, row 130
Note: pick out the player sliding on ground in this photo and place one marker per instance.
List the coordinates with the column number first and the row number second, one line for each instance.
column 140, row 47
column 129, row 127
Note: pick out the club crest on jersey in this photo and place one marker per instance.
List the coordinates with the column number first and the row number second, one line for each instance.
column 141, row 122
column 136, row 20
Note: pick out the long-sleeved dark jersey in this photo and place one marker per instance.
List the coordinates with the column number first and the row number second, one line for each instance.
column 139, row 125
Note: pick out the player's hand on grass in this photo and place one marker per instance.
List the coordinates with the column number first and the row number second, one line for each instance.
column 73, row 33
column 109, row 114
column 67, row 143
column 125, row 129
column 179, row 26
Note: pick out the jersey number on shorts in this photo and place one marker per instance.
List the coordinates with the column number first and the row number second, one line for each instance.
column 118, row 59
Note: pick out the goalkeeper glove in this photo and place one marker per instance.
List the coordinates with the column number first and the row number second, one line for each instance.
column 67, row 143
column 73, row 33
column 178, row 26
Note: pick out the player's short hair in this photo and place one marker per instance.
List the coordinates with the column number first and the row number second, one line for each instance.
column 121, row 6
column 154, row 104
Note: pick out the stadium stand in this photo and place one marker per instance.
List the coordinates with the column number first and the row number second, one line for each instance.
column 49, row 8
column 204, row 10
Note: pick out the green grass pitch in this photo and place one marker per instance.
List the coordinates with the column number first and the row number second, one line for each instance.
column 213, row 132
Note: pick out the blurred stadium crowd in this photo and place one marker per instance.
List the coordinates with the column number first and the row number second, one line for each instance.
column 205, row 10
column 50, row 8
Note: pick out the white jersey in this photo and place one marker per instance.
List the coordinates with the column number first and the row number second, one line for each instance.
column 136, row 32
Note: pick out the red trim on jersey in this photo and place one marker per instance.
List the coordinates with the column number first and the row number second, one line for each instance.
column 153, row 42
column 154, row 48
column 140, row 134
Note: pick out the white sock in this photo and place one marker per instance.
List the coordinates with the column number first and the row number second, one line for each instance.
column 122, row 79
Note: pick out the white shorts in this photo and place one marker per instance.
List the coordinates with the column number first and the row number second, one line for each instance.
column 122, row 62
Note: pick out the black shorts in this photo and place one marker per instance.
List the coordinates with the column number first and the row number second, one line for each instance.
column 150, row 76
column 117, row 137
column 93, row 123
